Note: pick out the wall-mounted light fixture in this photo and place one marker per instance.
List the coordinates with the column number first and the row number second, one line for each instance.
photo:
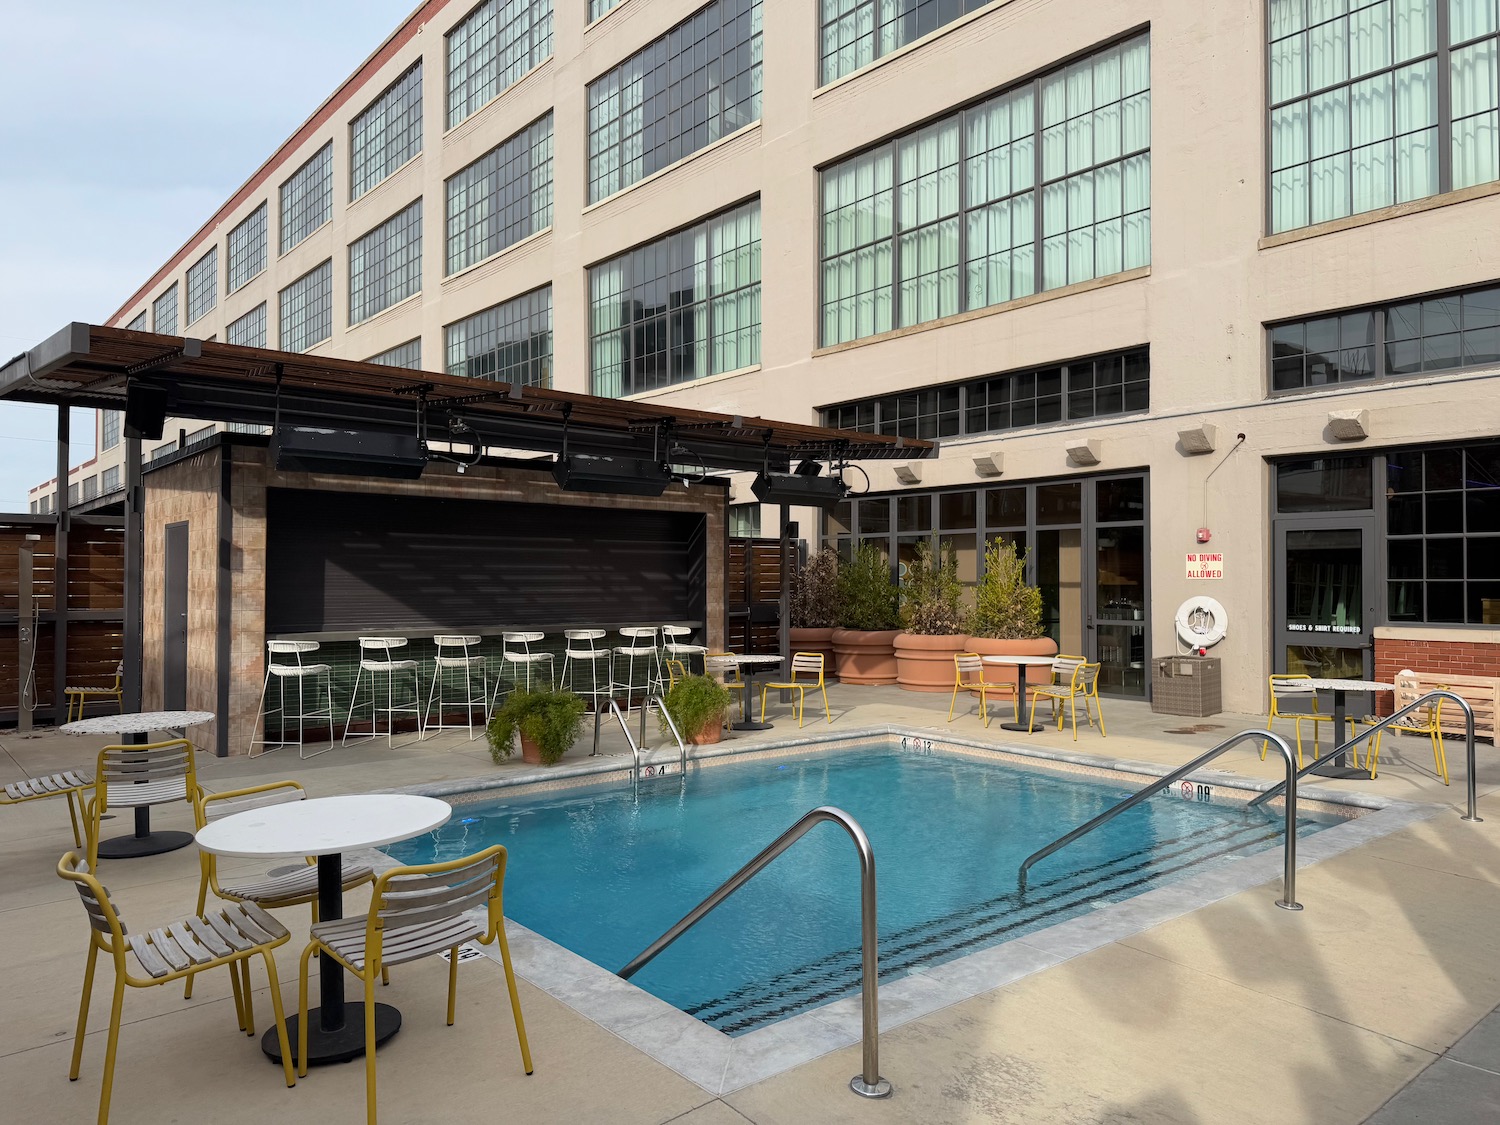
column 1085, row 452
column 989, row 464
column 908, row 472
column 1199, row 439
column 1348, row 425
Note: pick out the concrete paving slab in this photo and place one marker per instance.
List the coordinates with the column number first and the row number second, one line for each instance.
column 1446, row 1093
column 1481, row 1046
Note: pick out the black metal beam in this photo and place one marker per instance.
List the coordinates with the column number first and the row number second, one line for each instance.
column 60, row 570
column 134, row 646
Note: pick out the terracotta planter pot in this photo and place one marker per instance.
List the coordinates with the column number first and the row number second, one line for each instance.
column 925, row 663
column 866, row 658
column 531, row 753
column 1000, row 673
column 709, row 733
column 816, row 640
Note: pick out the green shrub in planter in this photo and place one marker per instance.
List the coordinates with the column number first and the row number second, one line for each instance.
column 551, row 719
column 815, row 592
column 1005, row 607
column 867, row 596
column 931, row 595
column 697, row 705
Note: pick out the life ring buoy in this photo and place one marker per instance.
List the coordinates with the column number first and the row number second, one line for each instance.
column 1201, row 622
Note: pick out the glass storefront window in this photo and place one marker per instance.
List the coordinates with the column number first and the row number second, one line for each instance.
column 1059, row 503
column 1325, row 484
column 914, row 513
column 956, row 511
column 1005, row 507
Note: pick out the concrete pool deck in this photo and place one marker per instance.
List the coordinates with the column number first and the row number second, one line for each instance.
column 1236, row 1012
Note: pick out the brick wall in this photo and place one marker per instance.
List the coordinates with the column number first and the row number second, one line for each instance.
column 1435, row 657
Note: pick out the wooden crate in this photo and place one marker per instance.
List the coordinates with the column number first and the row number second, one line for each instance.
column 1480, row 692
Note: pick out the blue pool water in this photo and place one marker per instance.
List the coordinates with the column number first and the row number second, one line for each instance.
column 603, row 870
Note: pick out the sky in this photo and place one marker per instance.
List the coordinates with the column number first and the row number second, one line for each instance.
column 123, row 127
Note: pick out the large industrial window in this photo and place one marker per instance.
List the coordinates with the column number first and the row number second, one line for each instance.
column 164, row 312
column 492, row 49
column 408, row 354
column 307, row 309
column 109, row 429
column 249, row 330
column 948, row 217
column 679, row 308
column 510, row 343
column 385, row 266
column 111, row 479
column 598, row 7
column 139, row 323
column 697, row 83
column 307, row 198
column 857, row 32
column 1118, row 383
column 387, row 134
column 502, row 197
column 203, row 285
column 1377, row 102
column 1424, row 334
column 247, row 248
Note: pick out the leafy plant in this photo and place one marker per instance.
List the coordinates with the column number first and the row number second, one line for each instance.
column 815, row 593
column 867, row 596
column 931, row 595
column 695, row 703
column 1005, row 607
column 551, row 719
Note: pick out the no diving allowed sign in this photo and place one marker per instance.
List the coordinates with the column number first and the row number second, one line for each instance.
column 1202, row 564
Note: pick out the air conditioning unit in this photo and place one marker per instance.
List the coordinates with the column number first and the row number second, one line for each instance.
column 354, row 453
column 631, row 476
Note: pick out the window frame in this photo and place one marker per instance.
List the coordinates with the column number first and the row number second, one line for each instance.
column 527, row 138
column 378, row 279
column 207, row 266
column 449, row 121
column 378, row 144
column 263, row 213
column 549, row 358
column 284, row 247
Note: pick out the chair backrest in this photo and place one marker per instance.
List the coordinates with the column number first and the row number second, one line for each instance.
column 640, row 632
column 720, row 665
column 96, row 902
column 1086, row 678
column 431, row 892
column 1063, row 668
column 156, row 762
column 380, row 647
column 676, row 631
column 676, row 670
column 464, row 641
column 809, row 662
column 119, row 675
column 214, row 806
column 590, row 635
column 968, row 664
column 1291, row 683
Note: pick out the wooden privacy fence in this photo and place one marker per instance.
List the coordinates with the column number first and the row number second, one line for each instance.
column 94, row 603
column 754, row 595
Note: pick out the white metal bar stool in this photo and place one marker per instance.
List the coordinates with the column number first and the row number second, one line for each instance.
column 299, row 673
column 375, row 660
column 454, row 666
column 582, row 648
column 676, row 646
column 516, row 652
column 641, row 652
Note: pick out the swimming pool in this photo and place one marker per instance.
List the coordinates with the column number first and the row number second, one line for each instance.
column 604, row 869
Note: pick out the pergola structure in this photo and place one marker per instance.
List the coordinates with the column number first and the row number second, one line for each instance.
column 435, row 414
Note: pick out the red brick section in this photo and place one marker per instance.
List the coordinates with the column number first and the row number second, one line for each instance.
column 1459, row 658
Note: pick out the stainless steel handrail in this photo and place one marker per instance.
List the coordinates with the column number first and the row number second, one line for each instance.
column 639, row 748
column 868, row 1082
column 1439, row 694
column 661, row 705
column 1288, row 900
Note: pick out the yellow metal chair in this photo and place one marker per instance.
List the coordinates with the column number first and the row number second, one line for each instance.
column 1292, row 688
column 77, row 697
column 415, row 912
column 228, row 938
column 298, row 887
column 676, row 670
column 810, row 663
column 131, row 777
column 69, row 784
column 723, row 667
column 972, row 665
column 1083, row 684
column 1427, row 721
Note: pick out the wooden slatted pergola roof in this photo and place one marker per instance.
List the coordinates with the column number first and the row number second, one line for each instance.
column 91, row 366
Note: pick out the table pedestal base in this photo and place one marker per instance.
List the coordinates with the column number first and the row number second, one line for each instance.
column 348, row 1042
column 153, row 843
column 1019, row 728
column 750, row 724
column 1332, row 767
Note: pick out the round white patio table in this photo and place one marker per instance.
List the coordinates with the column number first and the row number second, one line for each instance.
column 1020, row 664
column 1337, row 764
column 327, row 827
column 135, row 727
column 755, row 664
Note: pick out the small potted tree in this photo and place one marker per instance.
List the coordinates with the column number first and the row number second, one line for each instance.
column 548, row 723
column 815, row 606
column 865, row 642
column 1007, row 616
column 698, row 705
column 933, row 617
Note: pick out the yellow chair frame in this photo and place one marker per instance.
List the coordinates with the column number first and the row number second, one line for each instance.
column 177, row 950
column 723, row 663
column 1083, row 684
column 150, row 765
column 812, row 664
column 970, row 662
column 1314, row 716
column 1432, row 727
column 81, row 695
column 410, row 907
column 70, row 784
column 676, row 670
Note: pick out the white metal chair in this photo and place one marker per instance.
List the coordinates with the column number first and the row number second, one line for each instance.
column 675, row 647
column 457, row 655
column 516, row 652
column 583, row 648
column 641, row 652
column 299, row 673
column 416, row 912
column 375, row 660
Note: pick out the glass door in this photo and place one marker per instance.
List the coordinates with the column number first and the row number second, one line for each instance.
column 1324, row 610
column 1119, row 610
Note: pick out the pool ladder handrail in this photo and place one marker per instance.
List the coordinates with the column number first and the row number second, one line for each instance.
column 868, row 1082
column 639, row 748
column 1437, row 694
column 1288, row 900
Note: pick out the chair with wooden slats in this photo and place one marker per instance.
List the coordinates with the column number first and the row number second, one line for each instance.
column 227, row 938
column 131, row 777
column 69, row 784
column 78, row 697
column 415, row 912
column 297, row 887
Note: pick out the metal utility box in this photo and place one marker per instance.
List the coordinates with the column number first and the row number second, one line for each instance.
column 1186, row 685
